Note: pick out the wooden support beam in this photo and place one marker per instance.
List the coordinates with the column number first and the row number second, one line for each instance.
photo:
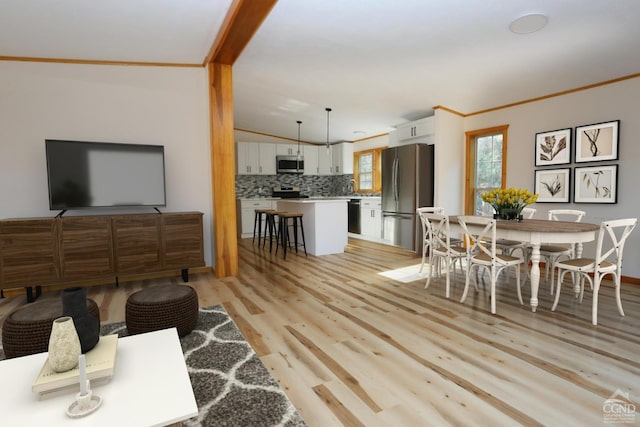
column 223, row 169
column 242, row 21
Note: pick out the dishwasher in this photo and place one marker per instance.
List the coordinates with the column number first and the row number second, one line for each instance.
column 354, row 216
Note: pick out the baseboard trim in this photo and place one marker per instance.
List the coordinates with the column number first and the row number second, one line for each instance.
column 632, row 280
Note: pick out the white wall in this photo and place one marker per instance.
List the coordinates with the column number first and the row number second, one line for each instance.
column 617, row 101
column 371, row 143
column 145, row 105
column 243, row 136
column 449, row 166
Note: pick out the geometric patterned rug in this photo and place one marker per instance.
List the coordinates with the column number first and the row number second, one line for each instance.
column 231, row 385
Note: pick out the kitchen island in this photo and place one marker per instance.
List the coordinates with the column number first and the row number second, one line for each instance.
column 325, row 223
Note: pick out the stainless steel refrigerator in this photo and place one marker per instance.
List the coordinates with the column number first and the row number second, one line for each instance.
column 407, row 183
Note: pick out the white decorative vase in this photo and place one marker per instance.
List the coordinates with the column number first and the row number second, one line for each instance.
column 64, row 345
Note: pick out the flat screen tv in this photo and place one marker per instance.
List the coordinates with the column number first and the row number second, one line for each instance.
column 84, row 174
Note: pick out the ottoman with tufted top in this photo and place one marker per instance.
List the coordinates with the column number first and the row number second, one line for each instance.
column 27, row 329
column 162, row 307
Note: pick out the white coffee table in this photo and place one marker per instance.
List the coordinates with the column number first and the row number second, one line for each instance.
column 150, row 387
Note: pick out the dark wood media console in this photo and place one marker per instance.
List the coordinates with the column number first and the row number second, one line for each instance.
column 36, row 252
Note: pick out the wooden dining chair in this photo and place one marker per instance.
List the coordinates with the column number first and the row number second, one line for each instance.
column 606, row 261
column 480, row 242
column 425, row 237
column 441, row 248
column 553, row 253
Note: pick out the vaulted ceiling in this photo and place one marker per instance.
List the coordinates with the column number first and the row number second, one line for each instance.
column 377, row 63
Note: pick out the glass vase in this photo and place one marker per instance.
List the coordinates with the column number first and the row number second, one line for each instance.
column 509, row 214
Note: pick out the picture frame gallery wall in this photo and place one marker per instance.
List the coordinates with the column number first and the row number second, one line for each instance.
column 594, row 143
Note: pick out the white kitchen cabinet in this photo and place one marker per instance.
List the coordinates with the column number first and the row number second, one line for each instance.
column 310, row 154
column 417, row 129
column 342, row 158
column 267, row 156
column 255, row 158
column 246, row 158
column 337, row 160
column 246, row 209
column 325, row 160
column 288, row 149
column 371, row 217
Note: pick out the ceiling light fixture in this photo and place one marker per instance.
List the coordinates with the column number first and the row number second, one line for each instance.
column 528, row 23
column 298, row 157
column 328, row 110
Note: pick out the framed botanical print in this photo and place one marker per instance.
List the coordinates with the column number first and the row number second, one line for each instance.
column 596, row 184
column 597, row 142
column 553, row 147
column 553, row 185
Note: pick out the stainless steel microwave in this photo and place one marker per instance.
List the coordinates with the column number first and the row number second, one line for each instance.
column 289, row 164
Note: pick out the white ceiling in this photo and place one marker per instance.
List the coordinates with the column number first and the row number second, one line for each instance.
column 376, row 63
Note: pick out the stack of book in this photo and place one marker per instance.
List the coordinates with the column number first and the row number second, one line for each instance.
column 100, row 362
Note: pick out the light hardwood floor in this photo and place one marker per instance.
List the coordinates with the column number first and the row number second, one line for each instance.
column 352, row 347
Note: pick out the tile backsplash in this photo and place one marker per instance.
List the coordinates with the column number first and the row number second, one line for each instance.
column 310, row 185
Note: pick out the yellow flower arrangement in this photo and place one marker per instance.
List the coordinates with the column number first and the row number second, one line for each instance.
column 509, row 202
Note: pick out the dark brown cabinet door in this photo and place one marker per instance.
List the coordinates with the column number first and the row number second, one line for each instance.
column 29, row 253
column 182, row 240
column 137, row 243
column 86, row 247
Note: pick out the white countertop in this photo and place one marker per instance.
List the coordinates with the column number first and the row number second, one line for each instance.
column 312, row 200
column 259, row 198
column 315, row 198
column 346, row 197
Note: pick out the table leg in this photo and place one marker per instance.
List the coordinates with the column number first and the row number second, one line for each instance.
column 575, row 276
column 535, row 275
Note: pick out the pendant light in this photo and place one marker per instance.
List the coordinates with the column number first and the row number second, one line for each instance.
column 328, row 110
column 298, row 156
